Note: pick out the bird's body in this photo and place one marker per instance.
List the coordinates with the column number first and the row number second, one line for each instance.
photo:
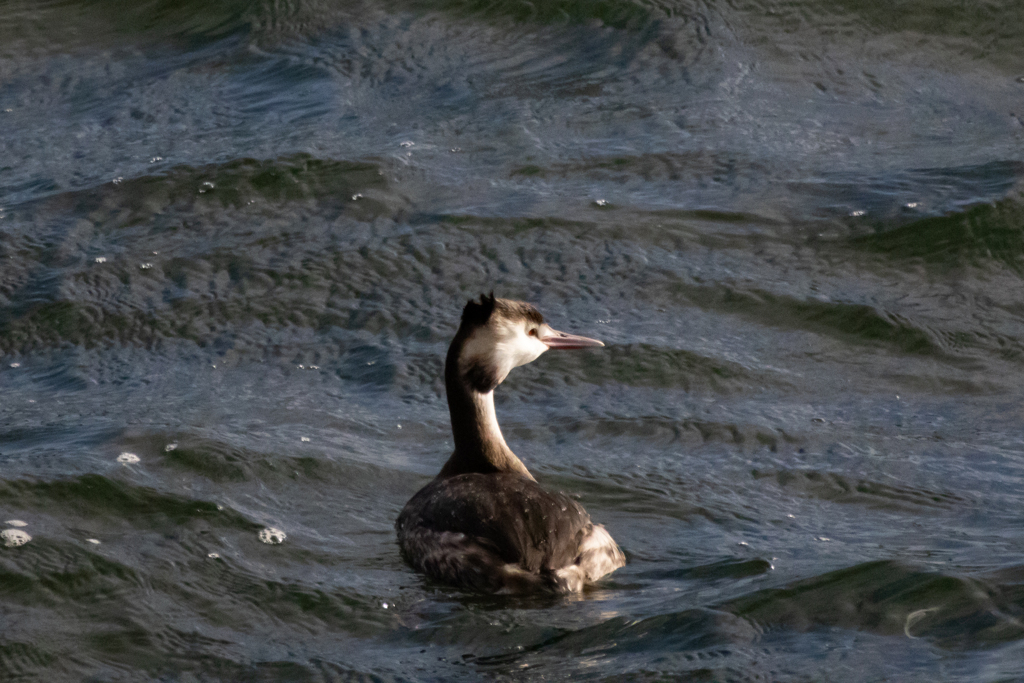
column 484, row 522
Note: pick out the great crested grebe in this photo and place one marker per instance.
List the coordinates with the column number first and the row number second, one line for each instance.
column 484, row 522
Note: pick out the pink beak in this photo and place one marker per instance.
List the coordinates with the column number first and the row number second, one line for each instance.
column 562, row 340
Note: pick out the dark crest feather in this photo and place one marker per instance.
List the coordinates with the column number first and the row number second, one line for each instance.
column 478, row 313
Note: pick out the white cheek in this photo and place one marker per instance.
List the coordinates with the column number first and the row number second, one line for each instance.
column 502, row 349
column 527, row 349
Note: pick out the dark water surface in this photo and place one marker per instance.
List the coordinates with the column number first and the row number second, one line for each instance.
column 235, row 238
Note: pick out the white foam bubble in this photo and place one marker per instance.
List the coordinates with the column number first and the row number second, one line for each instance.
column 272, row 536
column 94, row 541
column 914, row 617
column 127, row 458
column 12, row 538
column 214, row 556
column 170, row 447
column 15, row 522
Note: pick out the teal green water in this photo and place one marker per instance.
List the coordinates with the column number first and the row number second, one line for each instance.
column 235, row 239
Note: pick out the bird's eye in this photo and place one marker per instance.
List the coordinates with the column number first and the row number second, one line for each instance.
column 532, row 332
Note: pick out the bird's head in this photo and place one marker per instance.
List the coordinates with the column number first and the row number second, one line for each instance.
column 501, row 334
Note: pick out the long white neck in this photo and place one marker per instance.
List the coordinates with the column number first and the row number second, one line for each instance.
column 479, row 444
